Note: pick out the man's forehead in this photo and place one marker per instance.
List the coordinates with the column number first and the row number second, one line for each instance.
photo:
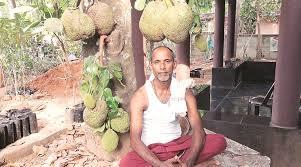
column 162, row 54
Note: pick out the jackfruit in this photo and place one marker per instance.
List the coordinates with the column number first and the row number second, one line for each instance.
column 151, row 19
column 77, row 25
column 102, row 15
column 89, row 101
column 177, row 20
column 139, row 5
column 121, row 124
column 96, row 117
column 109, row 140
column 84, row 88
column 101, row 106
column 53, row 25
column 200, row 42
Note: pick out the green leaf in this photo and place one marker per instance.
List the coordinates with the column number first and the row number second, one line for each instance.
column 2, row 4
column 113, row 114
column 32, row 25
column 107, row 92
column 191, row 3
column 116, row 71
column 104, row 78
column 92, row 69
column 88, row 61
column 112, row 103
column 114, row 67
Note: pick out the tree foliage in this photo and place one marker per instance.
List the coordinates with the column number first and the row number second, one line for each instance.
column 22, row 49
column 266, row 10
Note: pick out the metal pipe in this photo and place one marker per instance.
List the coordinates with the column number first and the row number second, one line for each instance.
column 286, row 100
column 219, row 33
column 231, row 29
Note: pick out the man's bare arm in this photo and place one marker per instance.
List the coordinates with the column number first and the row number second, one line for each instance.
column 137, row 106
column 198, row 134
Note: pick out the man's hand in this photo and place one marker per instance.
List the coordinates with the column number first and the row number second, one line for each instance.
column 173, row 162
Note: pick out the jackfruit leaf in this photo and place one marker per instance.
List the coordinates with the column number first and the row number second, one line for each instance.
column 196, row 26
column 92, row 69
column 116, row 71
column 113, row 114
column 114, row 67
column 104, row 78
column 54, row 25
column 107, row 92
column 88, row 61
column 101, row 129
column 112, row 103
column 139, row 4
column 93, row 84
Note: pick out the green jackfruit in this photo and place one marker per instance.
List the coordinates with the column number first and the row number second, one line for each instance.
column 121, row 124
column 139, row 5
column 109, row 140
column 96, row 117
column 77, row 25
column 151, row 19
column 102, row 15
column 101, row 106
column 177, row 20
column 84, row 88
column 200, row 42
column 89, row 101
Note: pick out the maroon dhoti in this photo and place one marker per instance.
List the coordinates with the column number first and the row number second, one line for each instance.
column 214, row 144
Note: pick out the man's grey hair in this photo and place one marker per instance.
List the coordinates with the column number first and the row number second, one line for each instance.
column 162, row 46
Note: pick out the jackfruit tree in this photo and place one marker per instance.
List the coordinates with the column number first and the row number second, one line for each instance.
column 102, row 112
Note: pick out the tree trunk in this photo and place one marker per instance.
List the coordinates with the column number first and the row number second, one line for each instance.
column 259, row 37
column 11, row 5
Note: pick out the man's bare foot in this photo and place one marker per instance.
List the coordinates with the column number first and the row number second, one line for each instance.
column 209, row 163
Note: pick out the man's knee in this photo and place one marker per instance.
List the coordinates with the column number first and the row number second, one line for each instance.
column 132, row 159
column 219, row 142
column 124, row 162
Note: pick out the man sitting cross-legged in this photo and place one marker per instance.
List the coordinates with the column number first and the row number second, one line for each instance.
column 155, row 132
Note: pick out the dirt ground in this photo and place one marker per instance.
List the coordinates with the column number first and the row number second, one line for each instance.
column 66, row 151
column 57, row 89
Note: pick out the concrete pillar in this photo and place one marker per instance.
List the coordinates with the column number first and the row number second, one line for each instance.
column 231, row 29
column 137, row 46
column 219, row 33
column 286, row 100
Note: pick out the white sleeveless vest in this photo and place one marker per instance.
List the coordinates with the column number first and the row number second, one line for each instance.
column 160, row 124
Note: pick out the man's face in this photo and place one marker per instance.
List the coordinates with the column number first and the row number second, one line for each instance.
column 162, row 64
